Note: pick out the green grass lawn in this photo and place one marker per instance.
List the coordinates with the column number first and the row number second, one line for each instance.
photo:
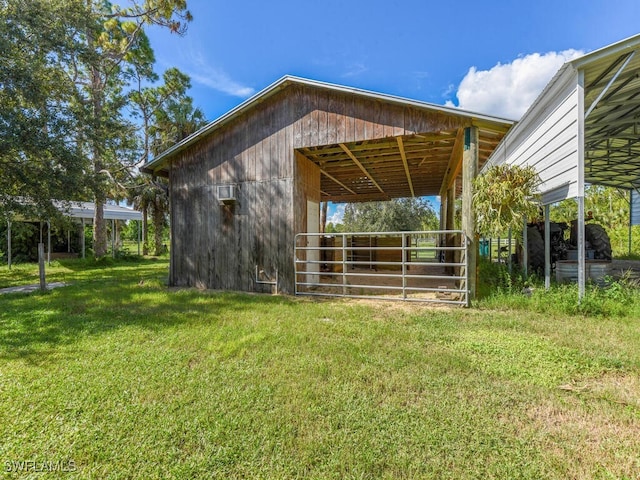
column 120, row 377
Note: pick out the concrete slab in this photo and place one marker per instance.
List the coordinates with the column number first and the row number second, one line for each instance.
column 31, row 288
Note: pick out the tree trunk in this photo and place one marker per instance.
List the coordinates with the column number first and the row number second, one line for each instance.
column 145, row 230
column 158, row 223
column 99, row 225
column 99, row 229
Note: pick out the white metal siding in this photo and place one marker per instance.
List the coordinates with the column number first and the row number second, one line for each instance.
column 547, row 138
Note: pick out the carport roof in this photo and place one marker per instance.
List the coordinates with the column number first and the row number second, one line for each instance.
column 425, row 163
column 612, row 114
column 86, row 210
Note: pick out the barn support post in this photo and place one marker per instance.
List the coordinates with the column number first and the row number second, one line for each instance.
column 449, row 224
column 442, row 239
column 9, row 243
column 547, row 249
column 469, row 172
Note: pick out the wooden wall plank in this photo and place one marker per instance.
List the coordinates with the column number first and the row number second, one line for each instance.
column 323, row 118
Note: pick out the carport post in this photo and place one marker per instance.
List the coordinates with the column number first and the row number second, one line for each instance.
column 82, row 239
column 630, row 218
column 582, row 264
column 9, row 243
column 469, row 172
column 547, row 249
column 113, row 238
column 525, row 249
column 581, row 238
column 49, row 242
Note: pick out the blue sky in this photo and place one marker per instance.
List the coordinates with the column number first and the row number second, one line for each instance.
column 493, row 56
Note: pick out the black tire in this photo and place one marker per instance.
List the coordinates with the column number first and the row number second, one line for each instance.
column 599, row 241
column 535, row 249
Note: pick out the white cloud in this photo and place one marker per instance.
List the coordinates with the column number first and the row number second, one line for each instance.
column 355, row 69
column 337, row 215
column 507, row 90
column 202, row 72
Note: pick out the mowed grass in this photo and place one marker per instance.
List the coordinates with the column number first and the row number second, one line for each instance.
column 129, row 379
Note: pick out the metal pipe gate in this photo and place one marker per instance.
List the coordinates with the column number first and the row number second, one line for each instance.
column 425, row 266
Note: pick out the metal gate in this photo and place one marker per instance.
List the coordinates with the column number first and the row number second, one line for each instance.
column 426, row 266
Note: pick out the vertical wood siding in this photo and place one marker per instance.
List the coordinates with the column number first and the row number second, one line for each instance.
column 219, row 246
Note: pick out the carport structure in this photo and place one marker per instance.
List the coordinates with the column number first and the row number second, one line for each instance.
column 584, row 128
column 81, row 213
column 245, row 185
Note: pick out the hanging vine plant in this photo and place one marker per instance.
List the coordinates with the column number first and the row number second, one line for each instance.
column 503, row 196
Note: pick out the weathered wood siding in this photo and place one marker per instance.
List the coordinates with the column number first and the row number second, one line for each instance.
column 219, row 246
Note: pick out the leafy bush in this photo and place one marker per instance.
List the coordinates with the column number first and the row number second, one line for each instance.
column 503, row 196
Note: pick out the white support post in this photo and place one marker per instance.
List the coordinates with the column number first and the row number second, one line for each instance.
column 509, row 258
column 547, row 249
column 82, row 241
column 581, row 239
column 9, row 243
column 49, row 242
column 113, row 239
column 525, row 249
column 582, row 264
column 630, row 219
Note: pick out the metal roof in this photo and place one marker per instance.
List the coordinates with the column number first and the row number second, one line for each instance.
column 478, row 119
column 86, row 210
column 611, row 113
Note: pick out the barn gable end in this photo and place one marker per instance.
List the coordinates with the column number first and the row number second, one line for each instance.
column 272, row 152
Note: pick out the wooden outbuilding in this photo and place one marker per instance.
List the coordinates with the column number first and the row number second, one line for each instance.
column 243, row 186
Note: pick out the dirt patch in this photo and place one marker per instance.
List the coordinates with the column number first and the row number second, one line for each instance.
column 588, row 435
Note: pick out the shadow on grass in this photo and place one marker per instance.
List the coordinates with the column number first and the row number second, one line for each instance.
column 33, row 325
